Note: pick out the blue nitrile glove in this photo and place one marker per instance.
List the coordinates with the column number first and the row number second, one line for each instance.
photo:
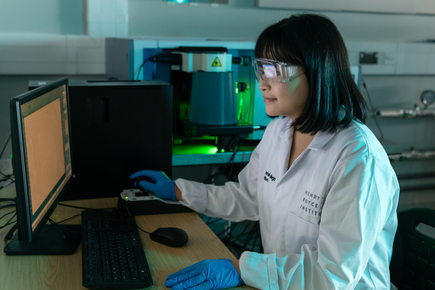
column 159, row 183
column 207, row 274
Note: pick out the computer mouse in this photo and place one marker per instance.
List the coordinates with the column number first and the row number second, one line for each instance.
column 172, row 237
column 142, row 178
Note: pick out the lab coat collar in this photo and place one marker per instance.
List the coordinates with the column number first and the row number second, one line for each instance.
column 320, row 140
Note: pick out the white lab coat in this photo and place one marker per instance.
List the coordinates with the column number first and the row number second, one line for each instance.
column 328, row 222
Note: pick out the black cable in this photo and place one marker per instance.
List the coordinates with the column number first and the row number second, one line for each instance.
column 210, row 222
column 230, row 162
column 371, row 106
column 239, row 144
column 7, row 214
column 10, row 234
column 4, row 147
column 258, row 238
column 229, row 229
column 9, row 221
column 86, row 208
column 8, row 176
column 132, row 218
column 74, row 216
column 137, row 72
column 12, row 182
column 240, row 235
column 63, row 226
column 258, row 234
column 7, row 205
column 248, row 239
column 8, row 199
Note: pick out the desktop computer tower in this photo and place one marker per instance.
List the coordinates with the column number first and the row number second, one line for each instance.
column 117, row 128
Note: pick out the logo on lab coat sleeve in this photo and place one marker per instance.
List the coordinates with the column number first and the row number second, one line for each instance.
column 268, row 176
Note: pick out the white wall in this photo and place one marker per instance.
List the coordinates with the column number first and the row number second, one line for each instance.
column 41, row 16
column 242, row 20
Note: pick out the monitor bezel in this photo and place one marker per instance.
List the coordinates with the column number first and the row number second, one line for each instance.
column 25, row 233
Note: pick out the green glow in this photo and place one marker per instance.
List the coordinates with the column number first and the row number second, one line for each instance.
column 223, row 150
column 187, row 149
column 240, row 109
column 237, row 88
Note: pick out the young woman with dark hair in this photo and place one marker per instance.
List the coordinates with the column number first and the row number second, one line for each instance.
column 314, row 45
column 319, row 182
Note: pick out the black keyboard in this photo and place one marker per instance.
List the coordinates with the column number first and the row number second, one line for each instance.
column 112, row 253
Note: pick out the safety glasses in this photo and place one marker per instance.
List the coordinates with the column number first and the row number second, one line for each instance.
column 272, row 71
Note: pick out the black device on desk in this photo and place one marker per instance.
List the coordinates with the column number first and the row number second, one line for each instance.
column 41, row 147
column 117, row 128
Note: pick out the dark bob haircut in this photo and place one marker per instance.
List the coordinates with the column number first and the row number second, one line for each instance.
column 314, row 43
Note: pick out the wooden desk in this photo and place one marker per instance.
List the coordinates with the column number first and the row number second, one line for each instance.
column 65, row 272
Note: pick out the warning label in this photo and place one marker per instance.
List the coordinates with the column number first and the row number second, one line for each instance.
column 216, row 62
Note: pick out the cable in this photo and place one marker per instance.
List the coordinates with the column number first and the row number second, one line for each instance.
column 231, row 162
column 132, row 218
column 210, row 221
column 12, row 182
column 137, row 72
column 173, row 59
column 228, row 230
column 9, row 221
column 10, row 234
column 239, row 144
column 7, row 214
column 67, row 219
column 63, row 226
column 8, row 176
column 86, row 208
column 212, row 178
column 4, row 147
column 371, row 106
column 7, row 205
column 8, row 199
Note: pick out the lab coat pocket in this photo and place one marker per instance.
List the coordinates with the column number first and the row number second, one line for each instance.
column 308, row 214
column 309, row 208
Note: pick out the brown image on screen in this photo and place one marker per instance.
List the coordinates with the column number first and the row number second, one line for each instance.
column 45, row 151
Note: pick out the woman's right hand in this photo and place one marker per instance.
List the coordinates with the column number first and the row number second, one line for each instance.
column 157, row 182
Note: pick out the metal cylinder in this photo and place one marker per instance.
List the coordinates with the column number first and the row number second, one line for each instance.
column 213, row 99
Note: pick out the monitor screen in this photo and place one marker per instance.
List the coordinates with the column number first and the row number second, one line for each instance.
column 41, row 157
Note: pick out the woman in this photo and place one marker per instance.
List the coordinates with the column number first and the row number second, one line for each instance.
column 319, row 181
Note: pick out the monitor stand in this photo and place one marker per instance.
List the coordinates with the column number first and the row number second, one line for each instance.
column 52, row 240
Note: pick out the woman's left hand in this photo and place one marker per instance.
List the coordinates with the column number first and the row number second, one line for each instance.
column 205, row 275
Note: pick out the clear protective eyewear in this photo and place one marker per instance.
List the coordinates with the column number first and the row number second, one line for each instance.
column 272, row 71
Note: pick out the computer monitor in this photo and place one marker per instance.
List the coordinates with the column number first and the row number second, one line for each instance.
column 41, row 158
column 117, row 128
